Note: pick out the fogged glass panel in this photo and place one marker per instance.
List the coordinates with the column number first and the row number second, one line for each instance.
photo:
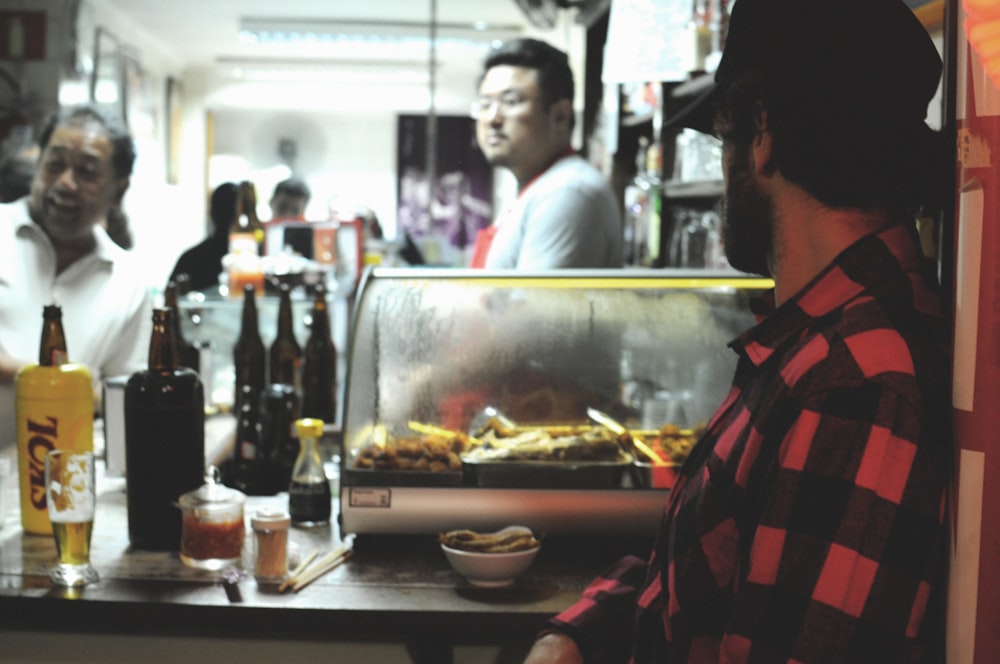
column 450, row 370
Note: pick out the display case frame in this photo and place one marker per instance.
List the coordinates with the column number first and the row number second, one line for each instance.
column 458, row 317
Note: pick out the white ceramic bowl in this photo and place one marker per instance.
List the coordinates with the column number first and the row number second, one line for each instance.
column 491, row 570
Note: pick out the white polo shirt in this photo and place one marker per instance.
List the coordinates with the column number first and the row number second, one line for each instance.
column 106, row 302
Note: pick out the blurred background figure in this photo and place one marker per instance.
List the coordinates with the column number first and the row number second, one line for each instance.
column 17, row 168
column 202, row 263
column 289, row 200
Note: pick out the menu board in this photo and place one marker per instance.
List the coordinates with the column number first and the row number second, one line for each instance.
column 649, row 40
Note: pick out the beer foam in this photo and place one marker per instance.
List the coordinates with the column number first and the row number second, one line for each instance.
column 82, row 509
column 72, row 502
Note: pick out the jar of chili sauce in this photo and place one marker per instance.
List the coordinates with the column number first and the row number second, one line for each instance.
column 212, row 525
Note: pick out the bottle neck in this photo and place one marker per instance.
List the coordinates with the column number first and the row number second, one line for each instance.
column 162, row 345
column 52, row 352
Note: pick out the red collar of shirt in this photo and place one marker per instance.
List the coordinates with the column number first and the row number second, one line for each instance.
column 484, row 238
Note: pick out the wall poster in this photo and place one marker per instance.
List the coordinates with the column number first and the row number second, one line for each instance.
column 442, row 224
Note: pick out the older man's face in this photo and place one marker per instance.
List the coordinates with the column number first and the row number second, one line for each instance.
column 75, row 184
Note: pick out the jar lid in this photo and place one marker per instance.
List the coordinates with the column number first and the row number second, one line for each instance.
column 213, row 493
column 309, row 427
column 270, row 520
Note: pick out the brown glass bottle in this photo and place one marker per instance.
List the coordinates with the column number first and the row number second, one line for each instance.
column 187, row 353
column 248, row 351
column 285, row 354
column 246, row 232
column 253, row 223
column 52, row 350
column 319, row 365
column 164, row 441
column 247, row 469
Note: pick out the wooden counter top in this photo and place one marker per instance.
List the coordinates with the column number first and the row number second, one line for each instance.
column 394, row 589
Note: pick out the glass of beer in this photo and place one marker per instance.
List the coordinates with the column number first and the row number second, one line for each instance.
column 71, row 498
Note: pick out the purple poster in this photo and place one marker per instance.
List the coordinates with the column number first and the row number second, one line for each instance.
column 461, row 201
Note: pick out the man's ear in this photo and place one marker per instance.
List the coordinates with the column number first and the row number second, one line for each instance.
column 121, row 186
column 762, row 141
column 562, row 111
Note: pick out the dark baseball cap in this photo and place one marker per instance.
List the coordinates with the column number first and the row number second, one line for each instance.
column 871, row 56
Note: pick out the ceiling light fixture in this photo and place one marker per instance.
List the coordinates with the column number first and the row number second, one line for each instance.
column 319, row 31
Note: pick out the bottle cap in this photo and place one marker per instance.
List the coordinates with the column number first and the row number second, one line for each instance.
column 270, row 520
column 309, row 427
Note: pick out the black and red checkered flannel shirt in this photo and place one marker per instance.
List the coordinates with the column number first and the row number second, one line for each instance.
column 808, row 523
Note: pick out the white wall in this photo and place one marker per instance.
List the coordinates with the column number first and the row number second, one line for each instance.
column 348, row 160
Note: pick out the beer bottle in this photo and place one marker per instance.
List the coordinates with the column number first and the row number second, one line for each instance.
column 187, row 353
column 248, row 352
column 54, row 409
column 309, row 501
column 253, row 223
column 285, row 353
column 247, row 469
column 164, row 440
column 246, row 232
column 319, row 365
column 279, row 443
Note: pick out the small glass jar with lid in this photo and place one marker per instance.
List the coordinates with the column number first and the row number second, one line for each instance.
column 212, row 528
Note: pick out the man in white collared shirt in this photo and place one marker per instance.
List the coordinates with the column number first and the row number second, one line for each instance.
column 53, row 250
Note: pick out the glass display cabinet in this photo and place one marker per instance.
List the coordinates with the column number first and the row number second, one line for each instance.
column 478, row 399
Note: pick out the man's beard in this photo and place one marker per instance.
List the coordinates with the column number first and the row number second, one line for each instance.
column 747, row 220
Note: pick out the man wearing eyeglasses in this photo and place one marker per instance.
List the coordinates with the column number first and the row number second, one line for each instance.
column 565, row 214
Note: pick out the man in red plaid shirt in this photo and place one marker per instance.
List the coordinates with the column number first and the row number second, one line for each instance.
column 808, row 524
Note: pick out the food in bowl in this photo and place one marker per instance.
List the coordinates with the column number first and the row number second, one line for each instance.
column 490, row 560
column 512, row 538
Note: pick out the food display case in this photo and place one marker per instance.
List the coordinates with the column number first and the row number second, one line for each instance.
column 561, row 401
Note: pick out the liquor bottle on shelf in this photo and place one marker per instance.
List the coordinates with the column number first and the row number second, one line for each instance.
column 54, row 409
column 309, row 499
column 642, row 216
column 188, row 354
column 249, row 356
column 319, row 366
column 164, row 441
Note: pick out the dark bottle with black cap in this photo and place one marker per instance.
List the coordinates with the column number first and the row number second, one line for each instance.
column 164, row 441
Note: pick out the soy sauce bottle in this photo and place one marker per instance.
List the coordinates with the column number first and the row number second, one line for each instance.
column 164, row 441
column 309, row 500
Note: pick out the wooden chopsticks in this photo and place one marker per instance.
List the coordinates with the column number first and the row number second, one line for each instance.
column 305, row 573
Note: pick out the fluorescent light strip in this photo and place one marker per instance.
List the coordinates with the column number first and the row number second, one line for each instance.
column 297, row 31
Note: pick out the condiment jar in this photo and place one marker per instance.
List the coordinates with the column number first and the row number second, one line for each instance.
column 212, row 529
column 270, row 530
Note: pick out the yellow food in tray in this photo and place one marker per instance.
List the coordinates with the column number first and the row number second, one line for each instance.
column 541, row 445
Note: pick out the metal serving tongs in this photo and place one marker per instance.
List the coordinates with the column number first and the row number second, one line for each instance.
column 630, row 443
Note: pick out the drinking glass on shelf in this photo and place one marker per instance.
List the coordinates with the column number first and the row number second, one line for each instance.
column 71, row 498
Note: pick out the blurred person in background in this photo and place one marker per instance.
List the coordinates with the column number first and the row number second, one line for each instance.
column 566, row 214
column 810, row 521
column 289, row 200
column 199, row 267
column 56, row 251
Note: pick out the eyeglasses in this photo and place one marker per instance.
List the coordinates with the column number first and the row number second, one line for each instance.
column 509, row 103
